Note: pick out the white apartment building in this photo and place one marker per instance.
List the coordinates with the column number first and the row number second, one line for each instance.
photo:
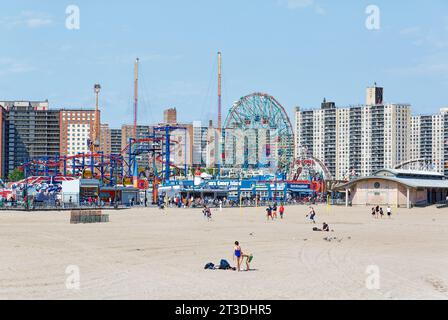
column 76, row 127
column 343, row 143
column 356, row 140
column 428, row 140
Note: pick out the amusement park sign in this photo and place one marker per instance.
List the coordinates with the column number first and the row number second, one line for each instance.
column 224, row 183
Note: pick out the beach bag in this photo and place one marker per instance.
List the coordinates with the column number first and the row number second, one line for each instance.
column 224, row 265
column 209, row 266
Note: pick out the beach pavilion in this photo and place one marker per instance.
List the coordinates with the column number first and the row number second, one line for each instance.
column 400, row 188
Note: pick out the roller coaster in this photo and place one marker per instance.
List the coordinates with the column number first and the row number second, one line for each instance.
column 115, row 169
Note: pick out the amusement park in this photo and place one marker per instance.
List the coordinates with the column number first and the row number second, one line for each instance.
column 255, row 163
column 257, row 166
column 252, row 158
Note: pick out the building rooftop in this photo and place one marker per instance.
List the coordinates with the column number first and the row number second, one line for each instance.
column 408, row 173
column 408, row 178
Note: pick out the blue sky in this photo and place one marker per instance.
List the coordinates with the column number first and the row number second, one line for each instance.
column 299, row 51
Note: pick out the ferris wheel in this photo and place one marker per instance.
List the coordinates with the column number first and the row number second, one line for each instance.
column 258, row 135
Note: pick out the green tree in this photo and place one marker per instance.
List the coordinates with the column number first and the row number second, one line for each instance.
column 16, row 175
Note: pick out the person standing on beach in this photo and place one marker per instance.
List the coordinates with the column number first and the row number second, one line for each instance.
column 269, row 213
column 209, row 213
column 274, row 211
column 381, row 213
column 373, row 212
column 239, row 255
column 312, row 215
column 281, row 210
column 377, row 211
column 389, row 211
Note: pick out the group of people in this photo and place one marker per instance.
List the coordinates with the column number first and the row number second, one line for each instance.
column 239, row 255
column 272, row 211
column 378, row 212
column 312, row 216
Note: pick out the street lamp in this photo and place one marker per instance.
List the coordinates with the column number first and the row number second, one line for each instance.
column 96, row 126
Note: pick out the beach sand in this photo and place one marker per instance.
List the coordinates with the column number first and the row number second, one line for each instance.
column 153, row 254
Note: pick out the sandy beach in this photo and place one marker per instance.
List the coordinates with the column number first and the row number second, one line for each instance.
column 154, row 254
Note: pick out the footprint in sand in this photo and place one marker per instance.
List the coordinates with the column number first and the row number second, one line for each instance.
column 437, row 284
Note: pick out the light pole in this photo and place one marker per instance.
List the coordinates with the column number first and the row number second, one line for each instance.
column 96, row 126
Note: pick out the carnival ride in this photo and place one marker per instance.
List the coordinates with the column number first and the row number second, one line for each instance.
column 420, row 164
column 113, row 169
column 258, row 134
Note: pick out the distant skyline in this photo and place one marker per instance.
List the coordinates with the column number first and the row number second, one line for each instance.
column 299, row 51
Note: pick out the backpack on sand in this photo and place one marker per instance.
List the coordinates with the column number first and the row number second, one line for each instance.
column 209, row 266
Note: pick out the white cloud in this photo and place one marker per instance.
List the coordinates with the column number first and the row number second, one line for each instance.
column 28, row 19
column 295, row 4
column 37, row 23
column 319, row 10
column 302, row 4
column 411, row 31
column 434, row 64
column 10, row 66
column 422, row 69
column 434, row 38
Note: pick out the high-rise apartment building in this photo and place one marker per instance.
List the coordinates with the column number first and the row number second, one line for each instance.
column 170, row 116
column 200, row 141
column 205, row 145
column 115, row 141
column 445, row 134
column 143, row 132
column 3, row 139
column 356, row 140
column 32, row 132
column 76, row 128
column 182, row 145
column 429, row 140
column 374, row 96
column 105, row 139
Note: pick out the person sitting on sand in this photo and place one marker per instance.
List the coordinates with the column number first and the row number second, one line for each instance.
column 325, row 228
column 239, row 255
